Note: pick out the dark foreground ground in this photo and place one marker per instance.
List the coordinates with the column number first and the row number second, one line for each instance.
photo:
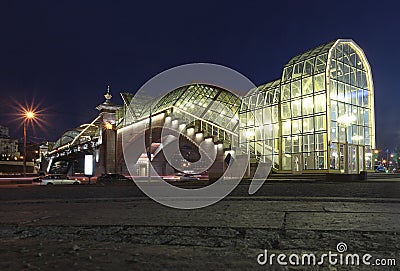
column 119, row 228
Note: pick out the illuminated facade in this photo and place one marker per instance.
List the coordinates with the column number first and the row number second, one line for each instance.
column 318, row 116
column 201, row 112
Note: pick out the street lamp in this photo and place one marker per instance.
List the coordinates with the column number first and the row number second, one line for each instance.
column 345, row 121
column 29, row 115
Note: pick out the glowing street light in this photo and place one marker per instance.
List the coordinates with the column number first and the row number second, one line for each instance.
column 29, row 115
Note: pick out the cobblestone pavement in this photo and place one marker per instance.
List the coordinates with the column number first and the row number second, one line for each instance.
column 88, row 228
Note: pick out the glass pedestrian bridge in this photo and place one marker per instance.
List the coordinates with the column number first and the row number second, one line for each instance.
column 317, row 117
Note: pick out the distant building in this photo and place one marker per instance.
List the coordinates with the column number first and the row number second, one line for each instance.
column 8, row 146
column 3, row 131
column 44, row 148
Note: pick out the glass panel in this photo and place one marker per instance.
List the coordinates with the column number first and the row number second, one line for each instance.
column 367, row 134
column 298, row 70
column 333, row 89
column 308, row 125
column 308, row 105
column 320, row 123
column 296, row 108
column 286, row 127
column 296, row 144
column 287, row 73
column 296, row 126
column 368, row 156
column 334, row 131
column 309, row 161
column 366, row 117
column 307, row 85
column 320, row 160
column 286, row 92
column 261, row 99
column 296, row 89
column 334, row 159
column 346, row 71
column 340, row 73
column 287, row 145
column 308, row 67
column 340, row 96
column 363, row 80
column 319, row 142
column 308, row 143
column 365, row 99
column 320, row 103
column 287, row 162
column 341, row 157
column 320, row 63
column 333, row 69
column 353, row 163
column 334, row 110
column 285, row 114
column 319, row 82
column 275, row 131
column 361, row 157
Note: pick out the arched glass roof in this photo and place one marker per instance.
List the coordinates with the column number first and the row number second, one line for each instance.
column 66, row 138
column 322, row 49
column 309, row 63
column 264, row 94
column 85, row 132
column 201, row 101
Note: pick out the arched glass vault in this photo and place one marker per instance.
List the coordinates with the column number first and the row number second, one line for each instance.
column 211, row 110
column 322, row 112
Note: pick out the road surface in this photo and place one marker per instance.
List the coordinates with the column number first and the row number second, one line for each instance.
column 118, row 227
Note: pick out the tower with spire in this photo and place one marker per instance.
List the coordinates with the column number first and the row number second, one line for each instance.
column 108, row 135
column 108, row 95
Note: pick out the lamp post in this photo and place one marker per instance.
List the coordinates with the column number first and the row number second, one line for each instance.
column 345, row 121
column 29, row 115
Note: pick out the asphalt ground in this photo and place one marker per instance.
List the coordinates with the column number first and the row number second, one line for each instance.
column 92, row 227
column 379, row 188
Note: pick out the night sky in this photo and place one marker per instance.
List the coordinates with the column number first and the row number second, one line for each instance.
column 63, row 54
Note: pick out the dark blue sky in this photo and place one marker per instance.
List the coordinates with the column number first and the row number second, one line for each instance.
column 65, row 53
